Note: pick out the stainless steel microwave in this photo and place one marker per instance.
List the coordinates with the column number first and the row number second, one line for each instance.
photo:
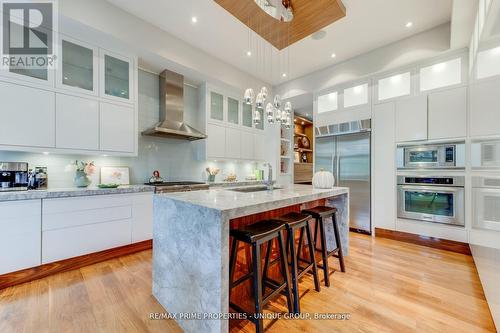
column 432, row 156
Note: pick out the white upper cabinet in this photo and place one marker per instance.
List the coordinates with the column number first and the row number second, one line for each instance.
column 116, row 77
column 488, row 63
column 78, row 68
column 77, row 123
column 441, row 75
column 448, row 114
column 28, row 116
column 233, row 111
column 355, row 96
column 246, row 115
column 328, row 102
column 484, row 108
column 233, row 143
column 117, row 128
column 411, row 119
column 216, row 142
column 248, row 145
column 259, row 147
column 216, row 106
column 394, row 86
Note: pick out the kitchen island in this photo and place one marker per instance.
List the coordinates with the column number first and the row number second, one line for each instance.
column 191, row 244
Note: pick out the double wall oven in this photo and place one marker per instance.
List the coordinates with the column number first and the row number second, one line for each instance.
column 424, row 196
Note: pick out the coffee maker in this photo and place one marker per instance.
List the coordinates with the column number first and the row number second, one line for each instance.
column 13, row 176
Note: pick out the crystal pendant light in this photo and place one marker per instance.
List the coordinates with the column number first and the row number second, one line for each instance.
column 270, row 113
column 288, row 106
column 264, row 92
column 277, row 115
column 256, row 117
column 249, row 96
column 259, row 101
column 277, row 101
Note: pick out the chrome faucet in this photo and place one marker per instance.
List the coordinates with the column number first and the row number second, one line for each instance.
column 269, row 182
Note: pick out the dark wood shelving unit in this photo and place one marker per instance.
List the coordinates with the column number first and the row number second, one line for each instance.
column 303, row 171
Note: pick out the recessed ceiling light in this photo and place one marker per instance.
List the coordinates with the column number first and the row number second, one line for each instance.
column 409, row 24
column 194, row 19
column 249, row 53
column 333, row 55
column 46, row 153
column 284, row 74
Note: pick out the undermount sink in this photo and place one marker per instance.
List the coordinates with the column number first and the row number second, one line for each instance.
column 252, row 189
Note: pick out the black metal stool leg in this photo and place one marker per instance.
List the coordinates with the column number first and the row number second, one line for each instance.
column 284, row 269
column 339, row 243
column 257, row 286
column 324, row 250
column 311, row 246
column 232, row 263
column 295, row 282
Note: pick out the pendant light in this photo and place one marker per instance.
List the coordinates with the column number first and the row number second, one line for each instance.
column 273, row 110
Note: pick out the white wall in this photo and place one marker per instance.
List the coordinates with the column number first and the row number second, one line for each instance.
column 175, row 159
column 424, row 45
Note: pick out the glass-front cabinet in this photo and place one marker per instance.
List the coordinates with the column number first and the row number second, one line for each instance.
column 116, row 77
column 78, row 67
column 246, row 115
column 233, row 111
column 216, row 106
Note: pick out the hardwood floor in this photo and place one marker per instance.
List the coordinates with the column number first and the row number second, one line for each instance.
column 389, row 286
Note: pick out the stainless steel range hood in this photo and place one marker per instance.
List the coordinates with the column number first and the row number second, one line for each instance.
column 171, row 123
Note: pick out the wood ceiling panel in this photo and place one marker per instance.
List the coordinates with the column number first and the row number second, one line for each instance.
column 309, row 17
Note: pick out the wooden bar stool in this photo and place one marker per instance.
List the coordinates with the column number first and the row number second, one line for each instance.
column 256, row 235
column 320, row 213
column 298, row 222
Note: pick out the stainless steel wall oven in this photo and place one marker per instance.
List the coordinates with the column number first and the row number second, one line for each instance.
column 432, row 199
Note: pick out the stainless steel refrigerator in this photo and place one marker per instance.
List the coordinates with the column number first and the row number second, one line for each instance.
column 345, row 150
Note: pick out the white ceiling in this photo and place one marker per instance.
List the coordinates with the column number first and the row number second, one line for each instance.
column 368, row 25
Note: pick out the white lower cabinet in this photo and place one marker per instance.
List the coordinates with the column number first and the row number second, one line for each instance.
column 216, row 142
column 142, row 217
column 411, row 119
column 384, row 166
column 20, row 235
column 484, row 104
column 77, row 226
column 28, row 116
column 448, row 114
column 77, row 123
column 233, row 143
column 117, row 128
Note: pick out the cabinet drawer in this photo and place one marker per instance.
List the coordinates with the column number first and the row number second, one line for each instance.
column 71, row 212
column 72, row 242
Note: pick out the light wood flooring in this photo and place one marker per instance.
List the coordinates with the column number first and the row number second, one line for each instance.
column 389, row 286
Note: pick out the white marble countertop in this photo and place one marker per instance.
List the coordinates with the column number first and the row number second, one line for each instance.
column 242, row 204
column 72, row 192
